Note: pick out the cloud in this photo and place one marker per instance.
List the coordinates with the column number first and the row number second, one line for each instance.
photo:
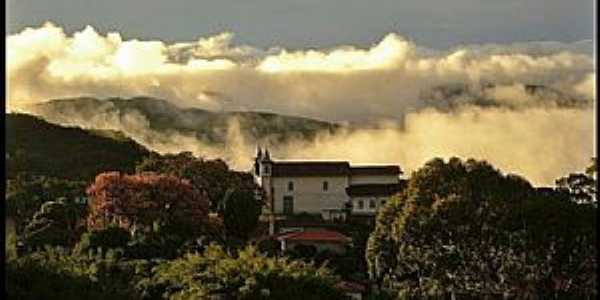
column 540, row 144
column 387, row 78
column 525, row 106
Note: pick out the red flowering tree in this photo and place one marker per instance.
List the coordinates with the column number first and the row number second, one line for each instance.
column 145, row 200
column 214, row 176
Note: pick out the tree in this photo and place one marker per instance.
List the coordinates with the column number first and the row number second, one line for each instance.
column 213, row 176
column 250, row 275
column 465, row 230
column 147, row 202
column 57, row 223
column 111, row 237
column 592, row 169
column 580, row 186
column 240, row 214
column 54, row 273
column 25, row 195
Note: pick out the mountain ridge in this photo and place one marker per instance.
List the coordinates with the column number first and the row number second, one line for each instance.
column 35, row 146
column 162, row 115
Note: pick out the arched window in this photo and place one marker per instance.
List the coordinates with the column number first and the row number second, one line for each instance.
column 361, row 204
column 325, row 185
column 290, row 186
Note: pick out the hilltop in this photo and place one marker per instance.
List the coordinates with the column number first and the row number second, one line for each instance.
column 160, row 115
column 37, row 147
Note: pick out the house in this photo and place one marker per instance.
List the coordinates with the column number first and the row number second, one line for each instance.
column 319, row 240
column 331, row 189
column 367, row 199
column 352, row 290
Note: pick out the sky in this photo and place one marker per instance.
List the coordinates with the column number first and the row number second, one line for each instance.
column 318, row 23
column 393, row 64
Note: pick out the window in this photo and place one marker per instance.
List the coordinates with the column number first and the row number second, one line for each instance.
column 361, row 204
column 290, row 186
column 372, row 203
column 325, row 185
column 383, row 202
column 288, row 205
column 266, row 170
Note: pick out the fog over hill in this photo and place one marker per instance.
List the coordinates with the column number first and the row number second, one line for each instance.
column 163, row 116
column 526, row 107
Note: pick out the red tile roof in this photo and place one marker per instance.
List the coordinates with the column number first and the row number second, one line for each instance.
column 348, row 286
column 317, row 235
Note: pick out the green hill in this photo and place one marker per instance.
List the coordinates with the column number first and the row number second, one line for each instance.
column 162, row 116
column 37, row 147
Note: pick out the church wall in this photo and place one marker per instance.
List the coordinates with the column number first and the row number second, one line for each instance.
column 308, row 193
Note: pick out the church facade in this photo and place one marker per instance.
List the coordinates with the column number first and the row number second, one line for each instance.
column 327, row 188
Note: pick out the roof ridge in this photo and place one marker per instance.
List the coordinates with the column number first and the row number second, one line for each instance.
column 312, row 161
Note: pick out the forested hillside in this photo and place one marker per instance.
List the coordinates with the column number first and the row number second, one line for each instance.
column 210, row 127
column 38, row 147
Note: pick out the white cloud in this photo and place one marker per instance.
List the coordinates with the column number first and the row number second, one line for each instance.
column 343, row 83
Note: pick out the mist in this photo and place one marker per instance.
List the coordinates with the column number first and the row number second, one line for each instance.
column 470, row 101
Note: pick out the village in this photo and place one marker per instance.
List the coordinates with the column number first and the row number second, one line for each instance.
column 300, row 150
column 333, row 191
column 169, row 224
column 307, row 202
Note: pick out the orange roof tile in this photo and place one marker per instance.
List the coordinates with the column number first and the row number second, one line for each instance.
column 317, row 235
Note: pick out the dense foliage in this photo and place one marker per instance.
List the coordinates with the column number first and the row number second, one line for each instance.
column 460, row 229
column 240, row 214
column 145, row 201
column 463, row 229
column 25, row 195
column 57, row 223
column 53, row 273
column 40, row 148
column 212, row 176
column 581, row 186
column 162, row 212
column 249, row 275
column 111, row 237
column 56, row 274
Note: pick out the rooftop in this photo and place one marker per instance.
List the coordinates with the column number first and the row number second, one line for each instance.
column 375, row 189
column 349, row 286
column 329, row 168
column 375, row 170
column 310, row 168
column 316, row 236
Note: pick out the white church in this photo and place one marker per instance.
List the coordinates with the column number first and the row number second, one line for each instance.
column 328, row 188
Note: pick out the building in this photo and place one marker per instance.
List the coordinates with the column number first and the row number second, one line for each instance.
column 331, row 189
column 353, row 290
column 368, row 198
column 319, row 240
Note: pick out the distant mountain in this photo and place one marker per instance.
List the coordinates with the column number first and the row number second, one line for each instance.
column 163, row 116
column 37, row 147
column 450, row 97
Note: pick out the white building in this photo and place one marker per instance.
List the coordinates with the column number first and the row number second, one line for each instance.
column 328, row 188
